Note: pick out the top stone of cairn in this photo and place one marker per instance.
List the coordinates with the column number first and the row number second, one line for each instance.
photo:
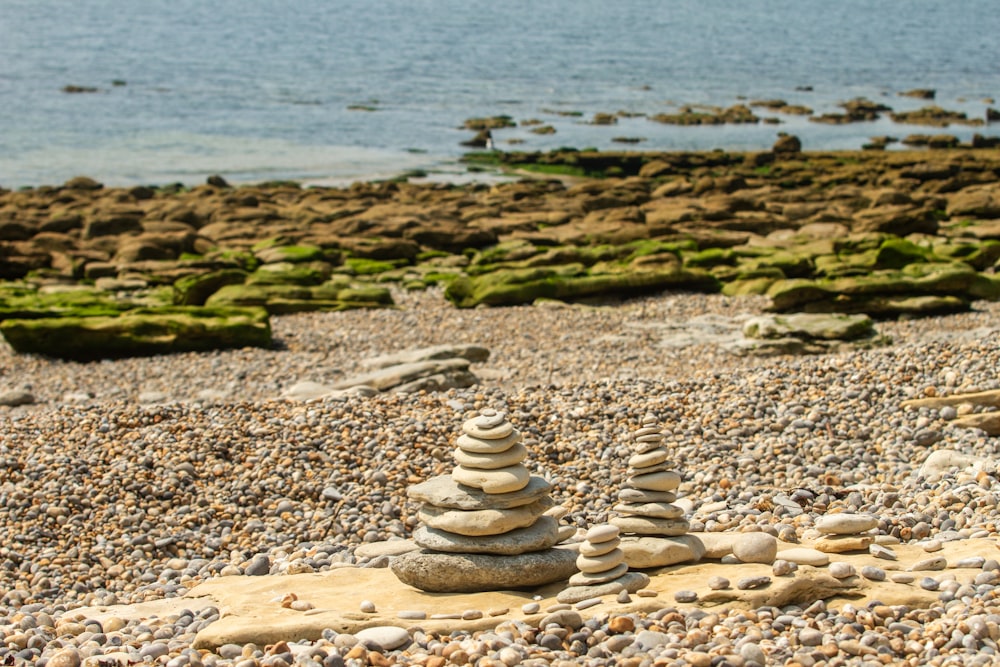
column 489, row 455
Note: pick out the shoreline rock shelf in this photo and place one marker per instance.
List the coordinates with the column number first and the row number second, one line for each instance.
column 485, row 527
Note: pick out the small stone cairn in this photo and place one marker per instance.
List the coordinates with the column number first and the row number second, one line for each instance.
column 656, row 529
column 485, row 526
column 603, row 570
column 842, row 533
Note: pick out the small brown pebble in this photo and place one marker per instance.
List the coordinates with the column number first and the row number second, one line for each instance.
column 376, row 659
column 620, row 624
column 471, row 614
column 357, row 652
column 497, row 611
column 647, row 593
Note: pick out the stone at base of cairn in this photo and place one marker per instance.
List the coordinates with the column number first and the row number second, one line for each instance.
column 474, row 573
column 647, row 552
column 631, row 582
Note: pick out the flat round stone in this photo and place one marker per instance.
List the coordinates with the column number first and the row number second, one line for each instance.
column 589, row 548
column 489, row 418
column 443, row 491
column 542, row 534
column 805, row 556
column 477, row 445
column 651, row 458
column 602, row 563
column 630, row 582
column 473, row 573
column 644, row 526
column 845, row 524
column 602, row 533
column 654, row 510
column 509, row 457
column 590, row 579
column 474, row 428
column 756, row 548
column 483, row 522
column 653, row 435
column 502, row 480
column 666, row 480
column 642, row 496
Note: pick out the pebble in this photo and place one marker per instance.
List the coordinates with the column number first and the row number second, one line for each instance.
column 750, row 583
column 367, row 607
column 756, row 548
column 873, row 573
column 841, row 570
column 685, row 596
column 717, row 583
column 782, row 567
column 579, row 397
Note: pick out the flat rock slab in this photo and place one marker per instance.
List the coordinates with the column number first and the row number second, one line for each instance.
column 471, row 573
column 443, row 491
column 543, row 534
column 252, row 612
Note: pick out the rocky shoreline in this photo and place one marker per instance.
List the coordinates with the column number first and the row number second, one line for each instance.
column 132, row 482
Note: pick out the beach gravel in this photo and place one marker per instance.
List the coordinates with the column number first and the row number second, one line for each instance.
column 105, row 499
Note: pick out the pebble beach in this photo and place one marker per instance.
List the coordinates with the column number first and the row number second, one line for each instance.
column 135, row 480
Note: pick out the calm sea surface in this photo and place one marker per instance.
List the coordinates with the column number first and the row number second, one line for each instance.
column 258, row 90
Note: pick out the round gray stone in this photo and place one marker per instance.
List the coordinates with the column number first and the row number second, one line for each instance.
column 473, row 573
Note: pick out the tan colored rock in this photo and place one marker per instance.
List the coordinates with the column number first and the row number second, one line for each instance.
column 838, row 544
column 542, row 534
column 646, row 526
column 499, row 481
column 443, row 491
column 658, row 481
column 593, row 578
column 588, row 548
column 483, row 522
column 503, row 459
column 647, row 552
column 804, row 556
column 652, row 510
column 601, row 563
column 472, row 445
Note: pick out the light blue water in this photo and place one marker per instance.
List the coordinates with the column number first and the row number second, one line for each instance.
column 257, row 89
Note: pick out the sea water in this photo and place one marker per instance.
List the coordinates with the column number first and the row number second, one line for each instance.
column 338, row 90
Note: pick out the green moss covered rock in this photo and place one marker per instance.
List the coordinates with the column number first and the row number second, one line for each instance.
column 195, row 290
column 567, row 283
column 140, row 332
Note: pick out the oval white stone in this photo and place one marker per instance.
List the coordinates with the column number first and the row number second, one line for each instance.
column 501, row 480
column 508, row 457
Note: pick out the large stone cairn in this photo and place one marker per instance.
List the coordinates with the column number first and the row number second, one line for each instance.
column 485, row 526
column 656, row 529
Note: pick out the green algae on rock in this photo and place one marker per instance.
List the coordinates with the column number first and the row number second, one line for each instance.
column 140, row 332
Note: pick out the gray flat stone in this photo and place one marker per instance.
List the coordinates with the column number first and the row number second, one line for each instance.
column 631, row 582
column 443, row 491
column 543, row 534
column 473, row 353
column 471, row 573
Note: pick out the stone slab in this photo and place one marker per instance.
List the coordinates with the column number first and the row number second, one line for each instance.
column 483, row 522
column 252, row 611
column 471, row 573
column 443, row 491
column 543, row 534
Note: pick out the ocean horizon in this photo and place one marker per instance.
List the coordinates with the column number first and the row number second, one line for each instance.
column 332, row 92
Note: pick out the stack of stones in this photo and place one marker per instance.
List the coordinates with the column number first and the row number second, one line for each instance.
column 842, row 533
column 602, row 566
column 485, row 526
column 646, row 510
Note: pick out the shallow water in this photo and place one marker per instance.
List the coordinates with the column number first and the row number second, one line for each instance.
column 256, row 91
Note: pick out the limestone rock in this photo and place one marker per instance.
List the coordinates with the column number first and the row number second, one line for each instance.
column 805, row 556
column 845, row 524
column 502, row 480
column 394, row 376
column 468, row 573
column 544, row 533
column 644, row 526
column 756, row 548
column 647, row 552
column 838, row 544
column 471, row 353
column 630, row 581
column 443, row 491
column 483, row 522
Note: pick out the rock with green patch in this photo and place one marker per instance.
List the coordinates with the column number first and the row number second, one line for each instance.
column 195, row 290
column 287, row 273
column 140, row 332
column 294, row 254
column 810, row 326
column 568, row 283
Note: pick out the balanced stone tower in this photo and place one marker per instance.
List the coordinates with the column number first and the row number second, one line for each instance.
column 485, row 527
column 655, row 528
column 603, row 570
